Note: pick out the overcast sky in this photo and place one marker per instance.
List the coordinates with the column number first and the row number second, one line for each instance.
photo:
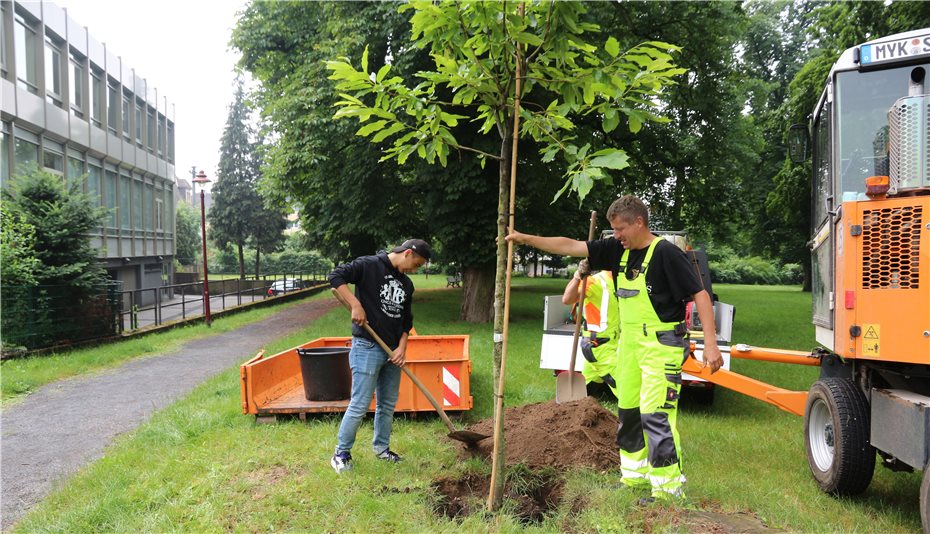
column 181, row 47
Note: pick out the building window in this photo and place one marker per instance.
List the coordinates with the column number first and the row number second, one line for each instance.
column 75, row 172
column 26, row 154
column 4, row 154
column 170, row 142
column 27, row 59
column 148, row 203
column 138, row 125
column 169, row 208
column 159, row 215
column 112, row 106
column 161, row 135
column 78, row 84
column 137, row 205
column 53, row 161
column 96, row 97
column 53, row 72
column 150, row 130
column 125, row 191
column 109, row 198
column 93, row 183
column 127, row 113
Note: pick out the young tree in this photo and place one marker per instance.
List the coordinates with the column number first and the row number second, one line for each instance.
column 187, row 234
column 490, row 60
column 238, row 209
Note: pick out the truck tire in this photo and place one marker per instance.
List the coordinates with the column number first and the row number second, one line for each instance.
column 836, row 435
column 925, row 500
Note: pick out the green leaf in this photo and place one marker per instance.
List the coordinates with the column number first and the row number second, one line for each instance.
column 611, row 158
column 528, row 39
column 611, row 120
column 382, row 72
column 582, row 184
column 612, row 47
column 365, row 60
column 387, row 132
column 635, row 124
column 366, row 130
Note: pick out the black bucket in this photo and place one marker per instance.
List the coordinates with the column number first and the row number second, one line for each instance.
column 326, row 373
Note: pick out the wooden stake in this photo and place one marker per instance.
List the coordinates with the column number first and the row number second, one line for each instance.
column 497, row 482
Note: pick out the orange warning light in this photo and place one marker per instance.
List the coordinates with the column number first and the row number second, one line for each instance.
column 876, row 187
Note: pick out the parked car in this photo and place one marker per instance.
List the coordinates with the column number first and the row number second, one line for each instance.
column 284, row 286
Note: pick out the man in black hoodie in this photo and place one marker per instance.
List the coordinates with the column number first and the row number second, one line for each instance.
column 383, row 298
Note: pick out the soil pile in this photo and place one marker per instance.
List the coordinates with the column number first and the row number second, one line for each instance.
column 578, row 433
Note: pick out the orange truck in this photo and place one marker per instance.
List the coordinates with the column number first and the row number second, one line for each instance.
column 870, row 246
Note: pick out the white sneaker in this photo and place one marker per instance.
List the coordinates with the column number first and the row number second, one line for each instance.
column 341, row 461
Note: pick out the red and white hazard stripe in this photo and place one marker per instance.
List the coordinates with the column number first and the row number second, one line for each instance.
column 451, row 388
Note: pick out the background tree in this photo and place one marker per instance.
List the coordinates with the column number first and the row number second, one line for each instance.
column 47, row 252
column 18, row 261
column 238, row 211
column 187, row 234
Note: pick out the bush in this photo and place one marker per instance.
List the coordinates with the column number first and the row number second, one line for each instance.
column 734, row 269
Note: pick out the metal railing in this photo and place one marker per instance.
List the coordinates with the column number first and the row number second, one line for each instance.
column 145, row 307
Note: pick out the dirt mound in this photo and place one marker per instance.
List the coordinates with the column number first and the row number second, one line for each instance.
column 578, row 433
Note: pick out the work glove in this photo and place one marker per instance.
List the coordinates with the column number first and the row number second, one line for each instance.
column 584, row 269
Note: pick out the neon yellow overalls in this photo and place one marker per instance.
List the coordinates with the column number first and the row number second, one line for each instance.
column 649, row 383
column 602, row 328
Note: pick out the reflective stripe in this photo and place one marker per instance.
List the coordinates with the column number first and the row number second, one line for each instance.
column 674, row 486
column 599, row 304
column 629, row 463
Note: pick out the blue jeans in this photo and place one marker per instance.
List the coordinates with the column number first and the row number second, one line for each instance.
column 371, row 373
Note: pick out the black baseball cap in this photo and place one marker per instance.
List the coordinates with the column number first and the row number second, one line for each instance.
column 419, row 246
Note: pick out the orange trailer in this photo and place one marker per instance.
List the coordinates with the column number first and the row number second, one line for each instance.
column 273, row 385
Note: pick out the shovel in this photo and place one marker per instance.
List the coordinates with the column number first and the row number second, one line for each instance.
column 465, row 436
column 570, row 386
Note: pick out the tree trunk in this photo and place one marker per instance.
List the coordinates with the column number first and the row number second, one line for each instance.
column 241, row 262
column 478, row 294
column 257, row 262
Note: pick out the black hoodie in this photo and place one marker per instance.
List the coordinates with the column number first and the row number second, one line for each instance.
column 386, row 295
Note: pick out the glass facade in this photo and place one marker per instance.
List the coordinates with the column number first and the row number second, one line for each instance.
column 103, row 103
column 27, row 64
column 78, row 82
column 97, row 103
column 53, row 72
column 109, row 199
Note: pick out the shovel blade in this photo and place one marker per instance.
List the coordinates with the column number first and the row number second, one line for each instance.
column 569, row 386
column 467, row 436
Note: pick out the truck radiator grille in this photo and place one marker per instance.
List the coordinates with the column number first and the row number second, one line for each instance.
column 909, row 156
column 891, row 248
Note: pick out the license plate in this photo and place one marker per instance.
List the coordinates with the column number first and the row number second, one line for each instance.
column 897, row 50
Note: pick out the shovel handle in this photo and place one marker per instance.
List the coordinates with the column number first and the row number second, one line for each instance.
column 584, row 290
column 413, row 378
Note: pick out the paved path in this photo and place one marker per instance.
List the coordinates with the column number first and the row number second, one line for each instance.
column 63, row 426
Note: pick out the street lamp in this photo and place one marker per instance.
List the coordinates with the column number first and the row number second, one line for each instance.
column 202, row 179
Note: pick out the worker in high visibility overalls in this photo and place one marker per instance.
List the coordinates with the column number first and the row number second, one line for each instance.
column 601, row 322
column 654, row 281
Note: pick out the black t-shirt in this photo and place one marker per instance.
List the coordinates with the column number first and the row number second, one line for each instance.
column 385, row 293
column 671, row 279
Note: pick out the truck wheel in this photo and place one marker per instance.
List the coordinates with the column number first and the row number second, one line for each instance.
column 836, row 435
column 925, row 500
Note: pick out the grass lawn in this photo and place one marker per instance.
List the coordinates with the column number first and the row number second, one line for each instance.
column 201, row 465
